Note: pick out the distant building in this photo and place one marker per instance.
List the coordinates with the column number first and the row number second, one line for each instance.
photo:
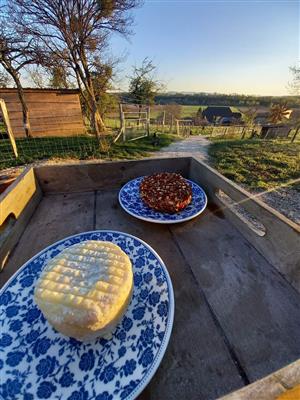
column 215, row 114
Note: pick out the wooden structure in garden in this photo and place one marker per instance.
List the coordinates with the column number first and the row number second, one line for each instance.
column 134, row 118
column 52, row 112
column 185, row 124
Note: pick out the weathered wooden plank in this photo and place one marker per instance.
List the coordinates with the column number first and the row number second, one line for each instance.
column 281, row 385
column 8, row 126
column 279, row 229
column 76, row 178
column 40, row 97
column 17, row 195
column 56, row 217
column 36, row 121
column 17, row 204
column 13, row 229
column 257, row 308
column 37, row 106
column 41, row 125
column 197, row 364
column 42, row 113
column 53, row 133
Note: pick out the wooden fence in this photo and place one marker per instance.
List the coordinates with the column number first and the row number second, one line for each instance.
column 52, row 112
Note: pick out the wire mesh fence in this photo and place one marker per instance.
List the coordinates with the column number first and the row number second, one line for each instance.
column 138, row 124
column 61, row 146
column 33, row 149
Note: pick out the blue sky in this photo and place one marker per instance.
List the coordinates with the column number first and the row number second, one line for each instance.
column 215, row 46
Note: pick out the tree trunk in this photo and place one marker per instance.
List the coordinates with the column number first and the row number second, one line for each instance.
column 171, row 123
column 97, row 120
column 140, row 113
column 243, row 132
column 25, row 112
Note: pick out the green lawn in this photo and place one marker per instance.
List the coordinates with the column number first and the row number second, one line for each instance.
column 186, row 112
column 190, row 111
column 260, row 164
column 77, row 147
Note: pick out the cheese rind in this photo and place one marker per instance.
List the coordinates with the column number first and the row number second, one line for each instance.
column 84, row 291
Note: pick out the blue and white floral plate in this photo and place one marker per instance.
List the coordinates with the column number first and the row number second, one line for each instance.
column 36, row 362
column 131, row 202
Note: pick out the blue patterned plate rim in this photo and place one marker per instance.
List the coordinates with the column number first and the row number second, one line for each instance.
column 159, row 356
column 164, row 216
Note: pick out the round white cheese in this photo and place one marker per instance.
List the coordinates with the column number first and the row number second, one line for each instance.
column 84, row 291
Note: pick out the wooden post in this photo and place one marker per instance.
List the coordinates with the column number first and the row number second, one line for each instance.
column 148, row 121
column 295, row 134
column 122, row 121
column 122, row 125
column 171, row 123
column 8, row 127
column 243, row 132
column 177, row 127
column 163, row 120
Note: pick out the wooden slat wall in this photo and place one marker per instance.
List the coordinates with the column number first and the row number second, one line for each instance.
column 52, row 113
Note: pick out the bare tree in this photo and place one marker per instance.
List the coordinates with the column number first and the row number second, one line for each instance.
column 76, row 32
column 16, row 52
column 59, row 77
column 5, row 79
column 37, row 76
column 143, row 85
column 294, row 85
column 173, row 111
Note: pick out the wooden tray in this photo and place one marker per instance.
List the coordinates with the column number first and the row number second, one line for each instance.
column 237, row 315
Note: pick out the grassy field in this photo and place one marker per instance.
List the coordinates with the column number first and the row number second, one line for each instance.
column 77, row 147
column 190, row 111
column 259, row 164
column 156, row 111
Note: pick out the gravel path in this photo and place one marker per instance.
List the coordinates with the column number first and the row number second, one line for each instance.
column 195, row 145
column 284, row 200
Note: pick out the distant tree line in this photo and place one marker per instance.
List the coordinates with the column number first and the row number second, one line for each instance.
column 217, row 99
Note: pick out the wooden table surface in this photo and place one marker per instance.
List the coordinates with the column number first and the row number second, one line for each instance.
column 236, row 318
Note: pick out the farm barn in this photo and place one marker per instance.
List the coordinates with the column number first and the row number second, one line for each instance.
column 52, row 112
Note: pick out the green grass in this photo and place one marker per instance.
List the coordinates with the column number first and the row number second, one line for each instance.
column 141, row 147
column 259, row 164
column 190, row 111
column 77, row 147
column 186, row 112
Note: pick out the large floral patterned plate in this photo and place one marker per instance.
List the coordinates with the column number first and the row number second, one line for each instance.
column 36, row 362
column 131, row 202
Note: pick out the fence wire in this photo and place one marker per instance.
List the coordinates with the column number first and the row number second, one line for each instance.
column 34, row 149
column 86, row 146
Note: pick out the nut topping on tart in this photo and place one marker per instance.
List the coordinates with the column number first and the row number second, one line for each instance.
column 166, row 192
